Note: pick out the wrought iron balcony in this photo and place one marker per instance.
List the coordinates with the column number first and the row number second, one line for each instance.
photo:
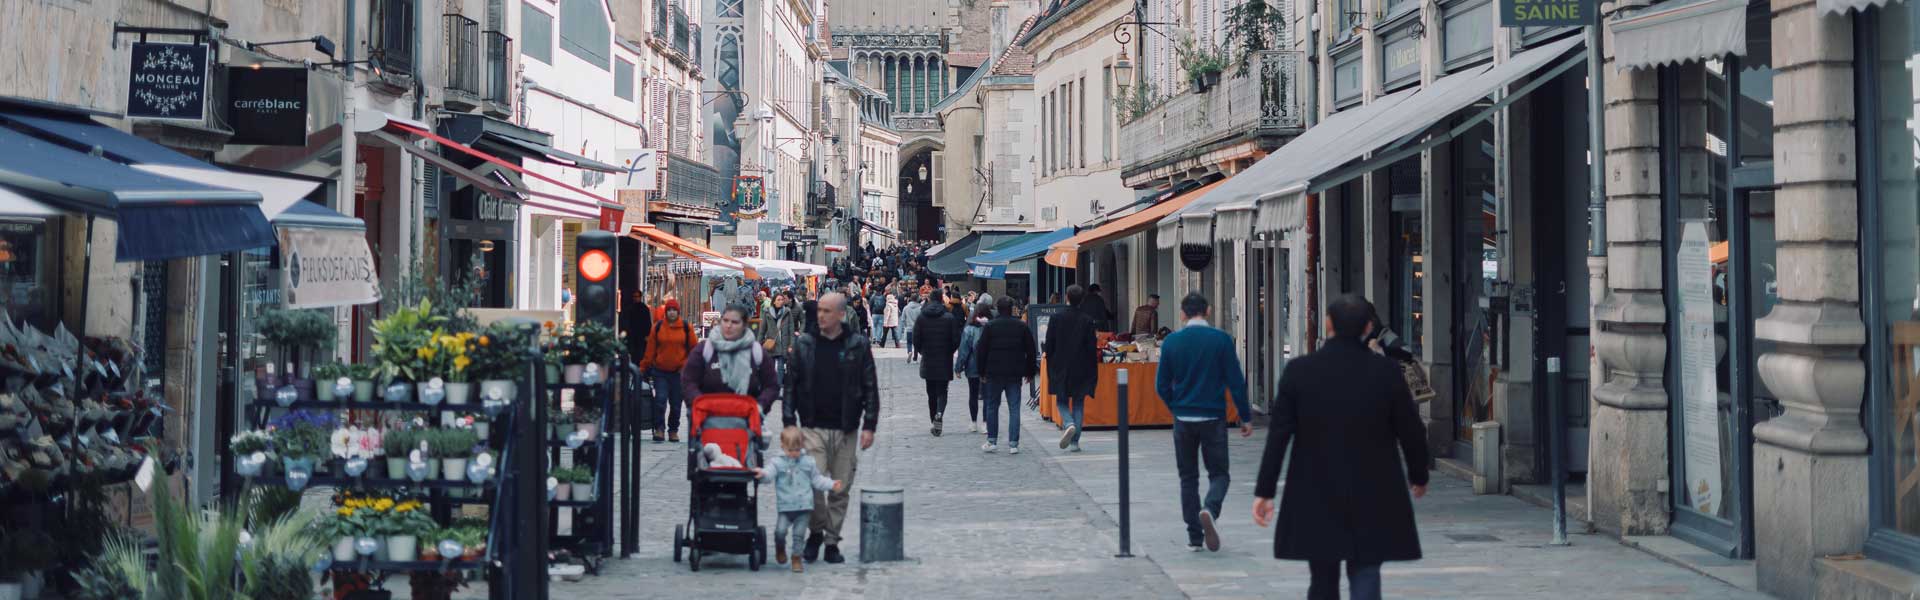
column 682, row 33
column 392, row 32
column 462, row 38
column 499, row 68
column 1263, row 102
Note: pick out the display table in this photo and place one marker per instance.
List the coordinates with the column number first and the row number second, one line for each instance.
column 1144, row 407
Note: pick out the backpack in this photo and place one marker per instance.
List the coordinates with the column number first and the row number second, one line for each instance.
column 687, row 341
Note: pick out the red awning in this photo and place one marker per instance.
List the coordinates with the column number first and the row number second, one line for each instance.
column 687, row 248
column 581, row 203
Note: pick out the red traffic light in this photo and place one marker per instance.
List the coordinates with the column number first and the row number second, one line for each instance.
column 595, row 265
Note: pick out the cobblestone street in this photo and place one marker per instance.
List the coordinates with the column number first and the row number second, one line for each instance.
column 1043, row 524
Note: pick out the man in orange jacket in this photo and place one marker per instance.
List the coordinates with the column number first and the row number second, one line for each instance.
column 667, row 347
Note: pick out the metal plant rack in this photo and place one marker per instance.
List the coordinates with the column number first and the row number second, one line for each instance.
column 591, row 537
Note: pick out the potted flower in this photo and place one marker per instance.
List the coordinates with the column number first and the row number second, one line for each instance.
column 1203, row 63
column 244, row 445
column 473, row 539
column 554, row 354
column 565, row 476
column 301, row 438
column 499, row 359
column 326, row 377
column 293, row 330
column 362, row 376
column 560, row 421
column 405, row 522
column 347, row 524
column 395, row 443
column 581, row 480
column 587, row 420
column 403, row 349
column 599, row 343
column 453, row 447
column 570, row 348
column 456, row 350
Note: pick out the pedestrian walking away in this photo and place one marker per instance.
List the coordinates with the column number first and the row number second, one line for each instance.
column 796, row 477
column 965, row 363
column 1351, row 421
column 731, row 361
column 891, row 322
column 1199, row 372
column 937, row 334
column 833, row 392
column 667, row 348
column 1073, row 365
column 1006, row 353
column 909, row 318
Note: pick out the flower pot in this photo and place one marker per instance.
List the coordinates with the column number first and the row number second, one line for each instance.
column 403, row 548
column 582, row 491
column 591, row 429
column 459, row 393
column 397, row 468
column 397, row 391
column 343, row 550
column 563, row 493
column 481, row 429
column 299, row 472
column 433, row 466
column 324, row 393
column 553, row 373
column 362, row 390
column 1198, row 84
column 10, row 590
column 505, row 388
column 473, row 554
column 454, row 469
column 1213, row 78
column 572, row 375
column 560, row 430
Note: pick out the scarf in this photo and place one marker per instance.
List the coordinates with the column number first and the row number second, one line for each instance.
column 734, row 359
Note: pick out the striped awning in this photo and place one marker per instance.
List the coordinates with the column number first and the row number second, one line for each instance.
column 1169, row 237
column 1680, row 34
column 1234, row 223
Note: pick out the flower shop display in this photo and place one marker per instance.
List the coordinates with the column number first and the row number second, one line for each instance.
column 586, row 419
column 453, row 447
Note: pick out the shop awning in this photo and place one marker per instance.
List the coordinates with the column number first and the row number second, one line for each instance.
column 1281, row 212
column 993, row 265
column 683, row 247
column 1326, row 155
column 1066, row 253
column 1842, row 6
column 1688, row 32
column 16, row 204
column 878, row 229
column 577, row 203
column 952, row 260
column 553, row 155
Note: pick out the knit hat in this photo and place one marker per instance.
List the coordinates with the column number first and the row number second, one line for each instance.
column 673, row 304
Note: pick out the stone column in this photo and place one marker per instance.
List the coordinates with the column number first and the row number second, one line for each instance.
column 1436, row 290
column 1627, row 472
column 1810, row 464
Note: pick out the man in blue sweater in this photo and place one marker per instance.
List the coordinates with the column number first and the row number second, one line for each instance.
column 1199, row 368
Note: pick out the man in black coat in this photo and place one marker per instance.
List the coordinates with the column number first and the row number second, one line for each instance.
column 936, row 334
column 1347, row 411
column 1006, row 353
column 1095, row 306
column 1073, row 364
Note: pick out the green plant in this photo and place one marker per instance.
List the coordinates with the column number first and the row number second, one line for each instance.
column 414, row 521
column 102, row 582
column 272, row 503
column 453, row 443
column 1138, row 101
column 362, row 371
column 302, row 441
column 249, row 442
column 568, row 347
column 117, row 572
column 398, row 443
column 1200, row 60
column 326, row 373
column 199, row 551
column 1253, row 27
column 448, row 304
column 400, row 341
column 279, row 578
column 500, row 352
column 597, row 341
column 297, row 328
column 574, row 475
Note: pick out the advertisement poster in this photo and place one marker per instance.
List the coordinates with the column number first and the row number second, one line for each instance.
column 1701, row 393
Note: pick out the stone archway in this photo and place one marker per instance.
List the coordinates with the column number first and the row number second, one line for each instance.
column 920, row 178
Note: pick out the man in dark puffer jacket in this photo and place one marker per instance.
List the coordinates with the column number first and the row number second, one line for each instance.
column 1007, row 353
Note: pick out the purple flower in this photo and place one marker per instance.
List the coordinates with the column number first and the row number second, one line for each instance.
column 305, row 418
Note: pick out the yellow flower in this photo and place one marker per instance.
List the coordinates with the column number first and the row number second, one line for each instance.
column 427, row 352
column 345, row 512
column 383, row 504
column 460, row 363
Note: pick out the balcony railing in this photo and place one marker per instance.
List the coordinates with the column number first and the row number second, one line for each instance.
column 499, row 67
column 682, row 33
column 1263, row 102
column 392, row 32
column 462, row 37
column 662, row 21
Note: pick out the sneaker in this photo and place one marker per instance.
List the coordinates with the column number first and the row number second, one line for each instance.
column 813, row 547
column 1067, row 438
column 833, row 555
column 1195, row 548
column 780, row 552
column 936, row 430
column 1074, row 447
column 989, row 447
column 1207, row 528
column 1013, row 450
column 973, row 427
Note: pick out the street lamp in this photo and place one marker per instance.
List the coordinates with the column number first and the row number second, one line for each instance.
column 1123, row 72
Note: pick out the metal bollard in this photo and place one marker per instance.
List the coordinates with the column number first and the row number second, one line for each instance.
column 1126, row 500
column 882, row 515
column 1557, row 440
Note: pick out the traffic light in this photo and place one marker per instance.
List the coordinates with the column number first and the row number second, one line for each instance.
column 599, row 289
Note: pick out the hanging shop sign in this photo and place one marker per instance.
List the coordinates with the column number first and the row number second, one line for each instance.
column 745, row 252
column 327, row 267
column 267, row 107
column 749, row 197
column 167, row 81
column 641, row 169
column 1196, row 256
column 611, row 218
column 1546, row 13
column 771, row 232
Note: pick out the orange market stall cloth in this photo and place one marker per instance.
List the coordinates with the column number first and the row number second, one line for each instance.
column 1144, row 406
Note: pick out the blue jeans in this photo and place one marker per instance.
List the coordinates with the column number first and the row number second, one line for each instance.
column 1072, row 411
column 793, row 523
column 1194, row 441
column 990, row 399
column 667, row 400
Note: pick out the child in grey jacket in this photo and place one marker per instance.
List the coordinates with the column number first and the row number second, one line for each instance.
column 795, row 478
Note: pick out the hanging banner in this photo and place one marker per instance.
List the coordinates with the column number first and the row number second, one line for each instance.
column 267, row 107
column 1546, row 13
column 749, row 197
column 1698, row 358
column 167, row 81
column 327, row 267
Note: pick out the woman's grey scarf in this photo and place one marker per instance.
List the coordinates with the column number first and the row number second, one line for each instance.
column 734, row 359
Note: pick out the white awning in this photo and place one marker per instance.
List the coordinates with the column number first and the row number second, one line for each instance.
column 1836, row 7
column 277, row 194
column 1233, row 223
column 1283, row 211
column 15, row 204
column 1680, row 34
column 1169, row 236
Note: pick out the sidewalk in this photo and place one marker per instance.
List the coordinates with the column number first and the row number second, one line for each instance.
column 1474, row 546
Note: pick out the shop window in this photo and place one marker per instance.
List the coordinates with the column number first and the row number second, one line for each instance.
column 1888, row 51
column 29, row 271
column 1347, row 78
column 1466, row 30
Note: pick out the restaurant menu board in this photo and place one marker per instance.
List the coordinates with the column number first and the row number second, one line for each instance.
column 1037, row 317
column 1694, row 271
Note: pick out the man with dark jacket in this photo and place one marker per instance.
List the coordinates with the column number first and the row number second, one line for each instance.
column 832, row 391
column 1095, row 307
column 1199, row 369
column 1351, row 421
column 936, row 334
column 1006, row 353
column 1073, row 364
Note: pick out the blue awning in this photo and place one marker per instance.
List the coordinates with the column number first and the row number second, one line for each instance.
column 84, row 134
column 161, row 232
column 951, row 261
column 993, row 265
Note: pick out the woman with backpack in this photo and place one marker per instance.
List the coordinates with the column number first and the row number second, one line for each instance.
column 731, row 361
column 668, row 345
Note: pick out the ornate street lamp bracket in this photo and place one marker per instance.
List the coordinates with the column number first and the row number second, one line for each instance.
column 1124, row 35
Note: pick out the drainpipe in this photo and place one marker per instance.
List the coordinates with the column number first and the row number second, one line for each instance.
column 349, row 141
column 1596, row 147
column 419, row 216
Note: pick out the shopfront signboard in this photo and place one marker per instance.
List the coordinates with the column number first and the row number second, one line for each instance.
column 327, row 267
column 745, row 251
column 1700, row 398
column 167, row 81
column 642, row 169
column 267, row 107
column 1546, row 13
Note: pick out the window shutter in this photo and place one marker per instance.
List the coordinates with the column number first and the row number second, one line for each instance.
column 939, row 178
column 682, row 122
column 657, row 113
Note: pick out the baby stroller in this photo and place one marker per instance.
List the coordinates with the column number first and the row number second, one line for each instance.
column 724, row 509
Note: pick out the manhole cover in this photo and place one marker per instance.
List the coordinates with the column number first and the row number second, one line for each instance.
column 1469, row 538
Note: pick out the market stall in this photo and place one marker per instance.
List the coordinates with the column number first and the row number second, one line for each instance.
column 1140, row 360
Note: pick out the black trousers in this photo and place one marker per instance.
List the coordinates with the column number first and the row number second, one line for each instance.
column 1363, row 580
column 973, row 399
column 937, row 398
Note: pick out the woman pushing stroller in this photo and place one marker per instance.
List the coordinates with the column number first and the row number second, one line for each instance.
column 730, row 361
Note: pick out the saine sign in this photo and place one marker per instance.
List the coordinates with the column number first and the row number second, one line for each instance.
column 1546, row 13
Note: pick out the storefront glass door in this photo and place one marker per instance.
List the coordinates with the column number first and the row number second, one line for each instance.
column 1477, row 249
